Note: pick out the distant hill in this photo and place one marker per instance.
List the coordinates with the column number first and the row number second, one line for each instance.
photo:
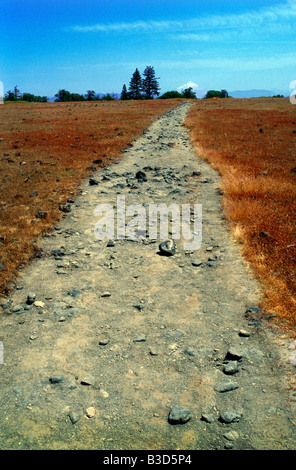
column 256, row 93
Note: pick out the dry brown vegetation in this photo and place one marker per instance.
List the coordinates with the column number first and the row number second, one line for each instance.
column 46, row 150
column 252, row 145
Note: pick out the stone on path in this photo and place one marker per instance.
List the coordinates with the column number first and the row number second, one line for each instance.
column 179, row 415
column 231, row 416
column 167, row 248
column 226, row 386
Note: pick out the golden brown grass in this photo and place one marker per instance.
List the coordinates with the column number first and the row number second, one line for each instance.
column 252, row 145
column 46, row 151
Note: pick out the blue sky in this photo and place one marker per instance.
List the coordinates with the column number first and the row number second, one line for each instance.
column 97, row 44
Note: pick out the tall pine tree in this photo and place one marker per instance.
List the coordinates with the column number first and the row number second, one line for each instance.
column 150, row 84
column 124, row 93
column 135, row 86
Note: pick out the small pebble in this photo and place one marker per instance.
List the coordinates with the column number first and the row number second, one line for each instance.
column 88, row 381
column 234, row 354
column 167, row 248
column 232, row 416
column 231, row 368
column 31, row 298
column 197, row 262
column 17, row 308
column 231, row 436
column 90, row 412
column 153, row 352
column 207, row 418
column 104, row 341
column 244, row 333
column 140, row 338
column 56, row 379
column 226, row 386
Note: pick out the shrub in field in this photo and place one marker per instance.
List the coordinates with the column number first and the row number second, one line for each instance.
column 216, row 94
column 170, row 94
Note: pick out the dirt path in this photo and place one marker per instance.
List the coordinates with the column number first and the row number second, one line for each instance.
column 124, row 335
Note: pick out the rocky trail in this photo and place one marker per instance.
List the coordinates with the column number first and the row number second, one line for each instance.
column 114, row 344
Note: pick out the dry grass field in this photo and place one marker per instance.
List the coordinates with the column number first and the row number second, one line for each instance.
column 46, row 149
column 252, row 143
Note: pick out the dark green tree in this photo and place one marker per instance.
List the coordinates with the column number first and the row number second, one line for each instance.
column 63, row 95
column 28, row 97
column 16, row 92
column 188, row 93
column 124, row 94
column 90, row 95
column 213, row 94
column 217, row 94
column 10, row 96
column 150, row 84
column 33, row 98
column 135, row 86
column 77, row 97
column 108, row 97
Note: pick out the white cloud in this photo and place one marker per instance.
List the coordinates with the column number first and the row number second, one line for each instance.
column 192, row 85
column 262, row 18
column 195, row 88
column 192, row 37
column 136, row 26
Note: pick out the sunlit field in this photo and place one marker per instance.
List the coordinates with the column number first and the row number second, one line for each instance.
column 46, row 150
column 252, row 143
